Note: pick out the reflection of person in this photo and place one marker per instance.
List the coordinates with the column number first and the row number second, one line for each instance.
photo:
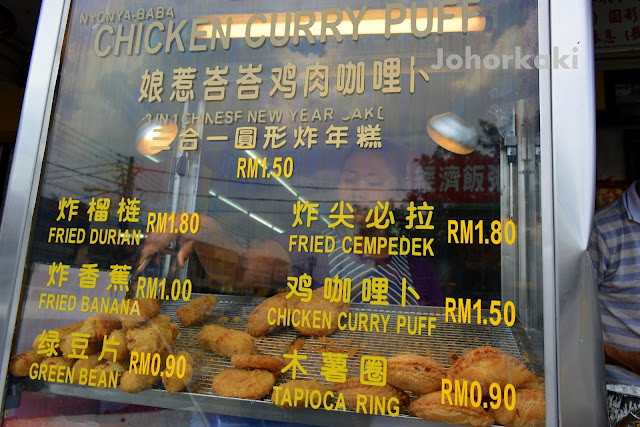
column 615, row 254
column 368, row 176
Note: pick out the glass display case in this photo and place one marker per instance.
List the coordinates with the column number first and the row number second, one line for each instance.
column 292, row 211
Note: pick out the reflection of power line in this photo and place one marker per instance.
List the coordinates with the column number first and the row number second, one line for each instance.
column 111, row 165
column 268, row 184
column 72, row 140
column 85, row 174
column 76, row 133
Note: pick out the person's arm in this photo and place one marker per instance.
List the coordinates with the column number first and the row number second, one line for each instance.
column 264, row 264
column 629, row 360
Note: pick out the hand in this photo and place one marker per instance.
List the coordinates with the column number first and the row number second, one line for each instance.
column 266, row 264
column 156, row 242
column 627, row 359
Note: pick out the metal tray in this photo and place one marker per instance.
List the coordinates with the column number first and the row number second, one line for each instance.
column 232, row 312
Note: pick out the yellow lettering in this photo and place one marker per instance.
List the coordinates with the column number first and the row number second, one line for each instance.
column 446, row 391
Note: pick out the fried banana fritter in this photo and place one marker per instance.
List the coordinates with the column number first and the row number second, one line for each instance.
column 430, row 407
column 148, row 307
column 58, row 361
column 66, row 346
column 135, row 383
column 118, row 340
column 62, row 332
column 196, row 311
column 108, row 368
column 156, row 336
column 304, row 385
column 20, row 363
column 242, row 383
column 258, row 361
column 258, row 323
column 172, row 383
column 226, row 342
column 352, row 387
column 89, row 363
column 488, row 365
column 99, row 326
column 415, row 373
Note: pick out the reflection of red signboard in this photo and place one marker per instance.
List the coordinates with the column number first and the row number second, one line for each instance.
column 473, row 178
column 616, row 23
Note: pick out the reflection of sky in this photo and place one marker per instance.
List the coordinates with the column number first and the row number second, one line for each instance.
column 96, row 110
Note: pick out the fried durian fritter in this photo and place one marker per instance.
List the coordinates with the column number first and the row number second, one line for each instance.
column 226, row 342
column 352, row 387
column 489, row 365
column 243, row 383
column 415, row 373
column 430, row 407
column 258, row 323
column 529, row 410
column 196, row 311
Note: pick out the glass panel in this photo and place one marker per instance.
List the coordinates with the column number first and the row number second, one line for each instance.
column 382, row 190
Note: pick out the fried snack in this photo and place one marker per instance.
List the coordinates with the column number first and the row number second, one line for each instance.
column 305, row 385
column 135, row 383
column 196, row 311
column 108, row 368
column 164, row 323
column 414, row 373
column 65, row 330
column 537, row 383
column 297, row 345
column 156, row 336
column 172, row 383
column 99, row 326
column 89, row 363
column 244, row 384
column 488, row 365
column 20, row 363
column 292, row 300
column 118, row 342
column 341, row 306
column 430, row 407
column 258, row 324
column 258, row 361
column 352, row 387
column 130, row 321
column 66, row 346
column 148, row 308
column 58, row 361
column 328, row 312
column 226, row 342
column 529, row 410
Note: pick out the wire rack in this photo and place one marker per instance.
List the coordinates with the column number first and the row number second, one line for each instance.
column 446, row 339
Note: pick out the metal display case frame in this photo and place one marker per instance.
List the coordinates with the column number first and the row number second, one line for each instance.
column 573, row 357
